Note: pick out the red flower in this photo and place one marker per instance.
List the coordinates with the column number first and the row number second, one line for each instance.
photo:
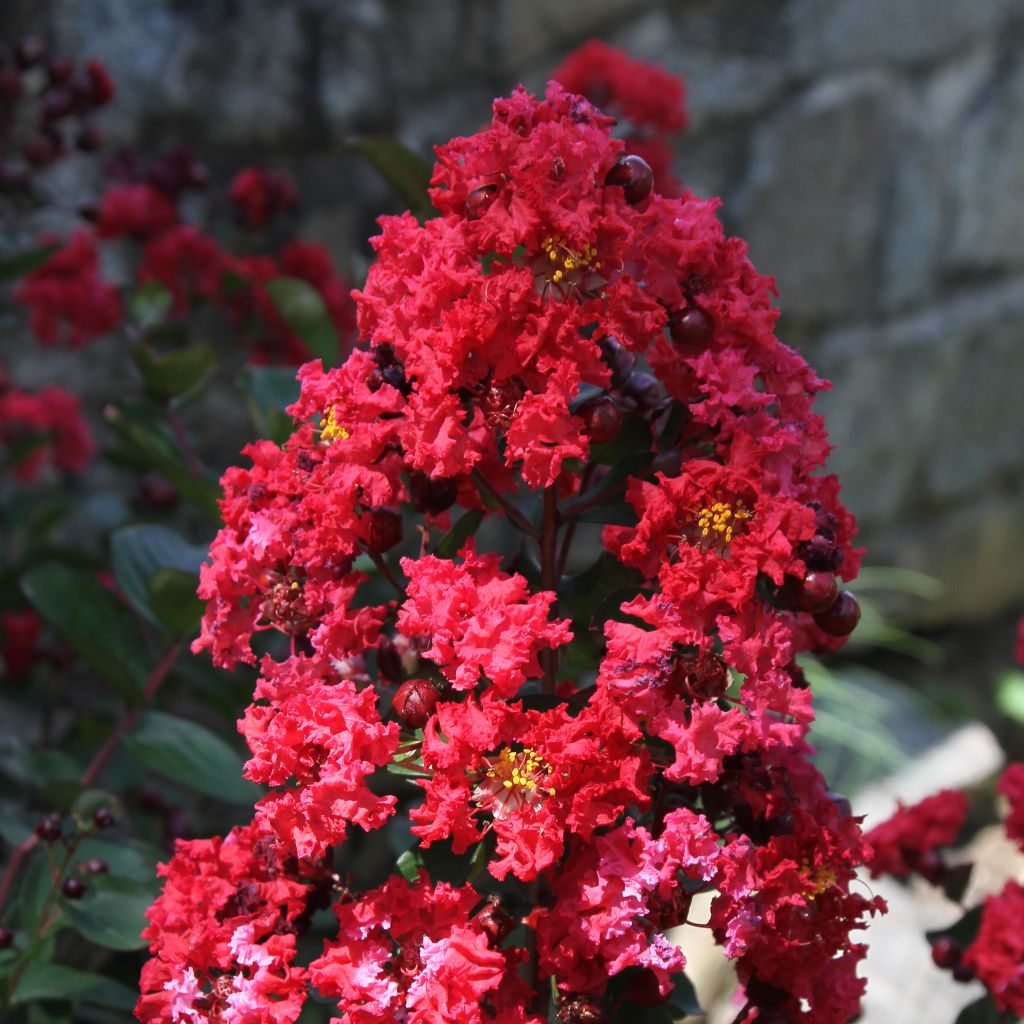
column 901, row 845
column 66, row 296
column 1011, row 785
column 51, row 422
column 997, row 953
column 21, row 634
column 259, row 195
column 135, row 211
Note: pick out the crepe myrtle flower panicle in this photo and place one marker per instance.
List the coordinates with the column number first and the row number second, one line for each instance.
column 562, row 347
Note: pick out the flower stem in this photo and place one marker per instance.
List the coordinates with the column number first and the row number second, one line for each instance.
column 549, row 577
column 507, row 507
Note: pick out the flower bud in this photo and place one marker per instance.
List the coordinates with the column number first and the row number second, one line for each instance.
column 389, row 661
column 73, row 888
column 635, row 176
column 103, row 817
column 49, row 828
column 690, row 326
column 496, row 922
column 385, row 529
column 10, row 85
column 478, row 201
column 841, row 617
column 59, row 70
column 581, row 1010
column 95, row 866
column 946, row 952
column 817, row 592
column 602, row 418
column 432, row 495
column 6, row 937
column 414, row 702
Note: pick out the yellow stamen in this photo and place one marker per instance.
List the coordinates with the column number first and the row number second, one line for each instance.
column 331, row 429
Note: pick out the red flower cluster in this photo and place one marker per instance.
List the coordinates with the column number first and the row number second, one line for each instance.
column 997, row 953
column 259, row 195
column 601, row 754
column 43, row 426
column 910, row 840
column 67, row 298
column 652, row 102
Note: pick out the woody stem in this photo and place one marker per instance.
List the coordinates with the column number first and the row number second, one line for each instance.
column 549, row 576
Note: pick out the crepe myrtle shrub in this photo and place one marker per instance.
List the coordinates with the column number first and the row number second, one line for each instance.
column 577, row 753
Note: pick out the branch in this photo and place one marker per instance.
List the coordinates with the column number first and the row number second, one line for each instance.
column 507, row 507
column 549, row 576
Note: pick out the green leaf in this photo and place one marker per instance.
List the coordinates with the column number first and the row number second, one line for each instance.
column 93, row 621
column 172, row 594
column 304, row 311
column 36, row 884
column 681, row 1005
column 173, row 373
column 269, row 390
column 469, row 522
column 149, row 304
column 982, row 1011
column 191, row 755
column 113, row 913
column 965, row 931
column 440, row 863
column 409, row 863
column 147, row 444
column 404, row 171
column 131, row 859
column 25, row 262
column 140, row 551
column 54, row 981
column 585, row 592
column 1010, row 694
column 89, row 801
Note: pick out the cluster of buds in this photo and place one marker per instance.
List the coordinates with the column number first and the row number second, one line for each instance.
column 46, row 108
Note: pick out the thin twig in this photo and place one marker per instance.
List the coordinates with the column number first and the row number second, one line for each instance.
column 508, row 508
column 570, row 532
column 191, row 459
column 385, row 571
column 549, row 577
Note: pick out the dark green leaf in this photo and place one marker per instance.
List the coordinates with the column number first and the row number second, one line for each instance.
column 409, row 864
column 305, row 312
column 584, row 592
column 36, row 884
column 633, row 436
column 131, row 859
column 138, row 552
column 113, row 913
column 173, row 373
column 1010, row 695
column 681, row 1006
column 982, row 1011
column 54, row 981
column 618, row 513
column 964, row 931
column 469, row 522
column 269, row 391
column 149, row 304
column 93, row 621
column 955, row 883
column 148, row 445
column 191, row 755
column 172, row 595
column 89, row 801
column 406, row 172
column 24, row 262
column 439, row 861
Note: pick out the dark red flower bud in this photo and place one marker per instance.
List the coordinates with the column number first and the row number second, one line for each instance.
column 496, row 922
column 389, row 661
column 156, row 493
column 635, row 176
column 73, row 888
column 618, row 358
column 59, row 70
column 39, row 151
column 841, row 617
column 478, row 201
column 89, row 139
column 946, row 952
column 103, row 817
column 6, row 937
column 668, row 462
column 95, row 866
column 414, row 702
column 690, row 326
column 29, row 50
column 10, row 84
column 601, row 417
column 385, row 529
column 931, row 867
column 644, row 390
column 963, row 973
column 49, row 828
column 432, row 495
column 57, row 103
column 704, row 676
column 817, row 592
column 101, row 85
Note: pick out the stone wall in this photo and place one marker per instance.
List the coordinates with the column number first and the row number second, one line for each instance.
column 872, row 151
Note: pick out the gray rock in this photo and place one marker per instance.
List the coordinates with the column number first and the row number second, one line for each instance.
column 987, row 178
column 811, row 207
column 842, row 33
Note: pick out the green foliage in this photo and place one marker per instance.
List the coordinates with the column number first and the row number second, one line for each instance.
column 467, row 525
column 268, row 391
column 305, row 313
column 173, row 374
column 192, row 756
column 407, row 174
column 93, row 621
